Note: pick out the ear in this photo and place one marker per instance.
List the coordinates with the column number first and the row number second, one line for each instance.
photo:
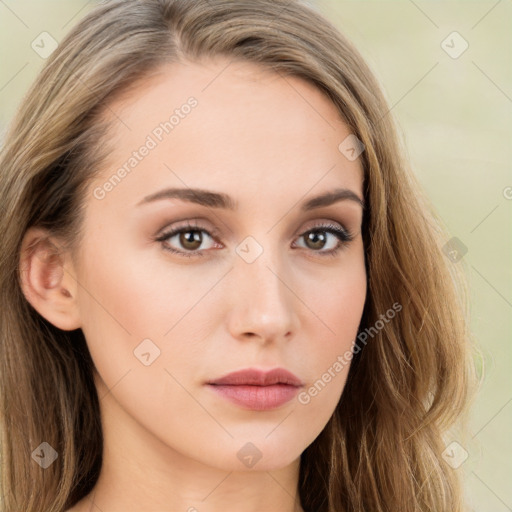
column 48, row 279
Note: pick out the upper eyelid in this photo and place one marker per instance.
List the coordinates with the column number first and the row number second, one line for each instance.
column 207, row 226
column 166, row 231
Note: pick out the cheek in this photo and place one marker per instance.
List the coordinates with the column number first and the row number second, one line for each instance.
column 331, row 333
column 125, row 290
column 336, row 298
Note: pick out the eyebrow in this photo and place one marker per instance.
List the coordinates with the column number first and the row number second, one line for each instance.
column 223, row 201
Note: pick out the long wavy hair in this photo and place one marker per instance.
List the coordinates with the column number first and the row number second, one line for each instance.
column 412, row 381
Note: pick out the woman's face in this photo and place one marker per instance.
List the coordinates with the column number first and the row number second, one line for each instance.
column 258, row 280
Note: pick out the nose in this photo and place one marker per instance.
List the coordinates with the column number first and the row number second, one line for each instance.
column 263, row 304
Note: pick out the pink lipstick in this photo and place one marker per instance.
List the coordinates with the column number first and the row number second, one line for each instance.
column 256, row 389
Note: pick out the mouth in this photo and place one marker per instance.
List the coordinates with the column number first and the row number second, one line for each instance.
column 256, row 398
column 257, row 390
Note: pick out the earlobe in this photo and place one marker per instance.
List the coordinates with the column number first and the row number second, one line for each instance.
column 47, row 279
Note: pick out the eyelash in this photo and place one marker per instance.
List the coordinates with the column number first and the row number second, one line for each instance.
column 344, row 237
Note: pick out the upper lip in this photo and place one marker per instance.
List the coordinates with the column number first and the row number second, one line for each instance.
column 255, row 377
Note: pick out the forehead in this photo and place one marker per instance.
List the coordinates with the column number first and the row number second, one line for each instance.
column 227, row 124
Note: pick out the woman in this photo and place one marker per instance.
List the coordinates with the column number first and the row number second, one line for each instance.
column 223, row 289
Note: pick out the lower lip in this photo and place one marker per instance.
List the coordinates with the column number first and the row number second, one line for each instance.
column 257, row 398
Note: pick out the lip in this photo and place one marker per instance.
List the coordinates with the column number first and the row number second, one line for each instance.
column 256, row 389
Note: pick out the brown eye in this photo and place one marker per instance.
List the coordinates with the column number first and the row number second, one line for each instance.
column 188, row 240
column 191, row 240
column 315, row 240
column 318, row 240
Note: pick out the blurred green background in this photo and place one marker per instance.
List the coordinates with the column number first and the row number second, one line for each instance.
column 454, row 108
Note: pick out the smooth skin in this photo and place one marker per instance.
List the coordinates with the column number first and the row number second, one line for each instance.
column 270, row 142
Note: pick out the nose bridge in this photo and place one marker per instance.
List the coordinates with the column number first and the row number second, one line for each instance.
column 264, row 305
